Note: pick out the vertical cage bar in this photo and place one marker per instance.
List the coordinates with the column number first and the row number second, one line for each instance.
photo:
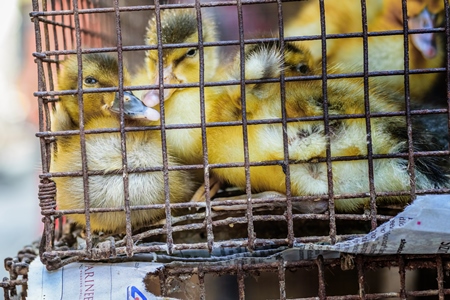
column 361, row 277
column 402, row 272
column 59, row 232
column 84, row 166
column 440, row 277
column 43, row 100
column 289, row 217
column 56, row 39
column 123, row 144
column 47, row 240
column 373, row 204
column 411, row 162
column 169, row 239
column 282, row 278
column 47, row 48
column 41, row 83
column 322, row 293
column 241, row 281
column 201, row 283
column 331, row 206
column 248, row 190
column 209, row 226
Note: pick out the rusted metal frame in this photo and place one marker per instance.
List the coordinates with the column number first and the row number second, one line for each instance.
column 10, row 288
column 49, row 67
column 161, row 6
column 268, row 163
column 47, row 203
column 168, row 227
column 123, row 138
column 241, row 280
column 402, row 273
column 206, row 4
column 373, row 197
column 206, row 170
column 248, row 189
column 411, row 162
column 47, row 236
column 361, row 34
column 361, row 277
column 84, row 165
column 331, row 205
column 282, row 278
column 46, row 112
column 43, row 56
column 440, row 277
column 201, row 283
column 230, row 165
column 55, row 37
column 286, row 168
column 378, row 261
column 322, row 293
column 65, row 26
column 47, row 120
column 58, row 233
column 250, row 122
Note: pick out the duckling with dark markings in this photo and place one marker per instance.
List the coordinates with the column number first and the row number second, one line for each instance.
column 306, row 139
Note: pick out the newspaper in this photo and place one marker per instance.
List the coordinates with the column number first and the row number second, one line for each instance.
column 422, row 228
column 89, row 281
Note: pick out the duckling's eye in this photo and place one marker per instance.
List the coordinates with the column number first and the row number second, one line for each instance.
column 90, row 80
column 302, row 68
column 191, row 52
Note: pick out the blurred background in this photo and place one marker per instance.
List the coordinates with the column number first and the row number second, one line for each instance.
column 19, row 148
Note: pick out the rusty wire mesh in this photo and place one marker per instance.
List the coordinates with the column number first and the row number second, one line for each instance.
column 74, row 27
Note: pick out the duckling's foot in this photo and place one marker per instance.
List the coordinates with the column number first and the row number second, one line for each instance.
column 214, row 186
column 133, row 108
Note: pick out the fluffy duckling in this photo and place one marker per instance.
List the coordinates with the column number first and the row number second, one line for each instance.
column 306, row 139
column 385, row 52
column 103, row 151
column 180, row 65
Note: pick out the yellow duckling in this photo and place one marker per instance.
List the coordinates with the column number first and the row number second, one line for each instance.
column 386, row 53
column 306, row 138
column 103, row 151
column 180, row 66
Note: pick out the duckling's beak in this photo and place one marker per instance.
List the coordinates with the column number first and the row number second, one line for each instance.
column 133, row 107
column 151, row 98
column 424, row 42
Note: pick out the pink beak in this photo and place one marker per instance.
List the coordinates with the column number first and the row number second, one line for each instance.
column 152, row 97
column 424, row 42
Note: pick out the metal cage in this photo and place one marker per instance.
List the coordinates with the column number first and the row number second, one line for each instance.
column 76, row 28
